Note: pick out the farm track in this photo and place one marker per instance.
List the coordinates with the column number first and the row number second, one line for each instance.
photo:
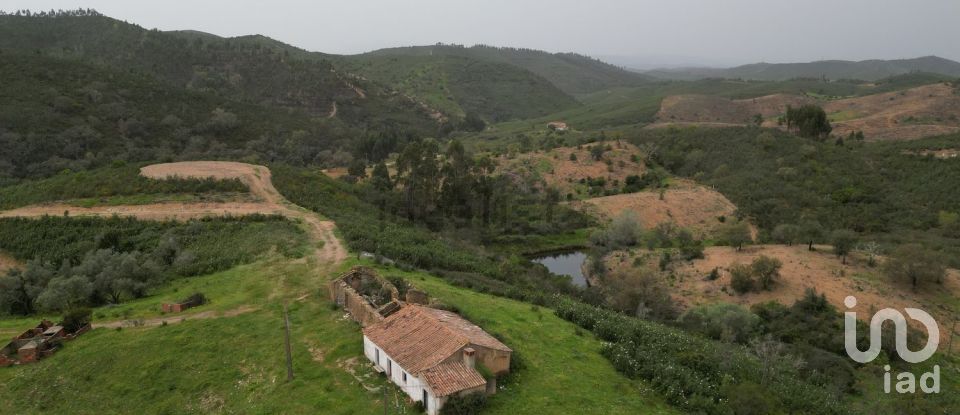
column 257, row 178
column 329, row 251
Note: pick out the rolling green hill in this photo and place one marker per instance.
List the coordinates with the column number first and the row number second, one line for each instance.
column 617, row 108
column 457, row 86
column 61, row 114
column 869, row 70
column 572, row 73
column 252, row 69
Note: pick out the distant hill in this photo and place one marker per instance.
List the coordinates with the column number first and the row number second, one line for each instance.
column 252, row 69
column 458, row 85
column 869, row 70
column 572, row 73
column 59, row 114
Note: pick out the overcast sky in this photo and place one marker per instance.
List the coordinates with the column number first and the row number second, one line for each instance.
column 714, row 32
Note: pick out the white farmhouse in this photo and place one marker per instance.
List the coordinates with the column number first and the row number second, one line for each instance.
column 433, row 354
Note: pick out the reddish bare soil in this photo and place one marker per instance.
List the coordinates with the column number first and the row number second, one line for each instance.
column 257, row 178
column 713, row 109
column 335, row 172
column 909, row 114
column 901, row 115
column 802, row 269
column 685, row 204
column 7, row 262
column 554, row 168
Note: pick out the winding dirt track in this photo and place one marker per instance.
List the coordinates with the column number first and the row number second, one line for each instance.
column 260, row 182
column 257, row 178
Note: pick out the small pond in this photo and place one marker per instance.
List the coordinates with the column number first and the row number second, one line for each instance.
column 565, row 263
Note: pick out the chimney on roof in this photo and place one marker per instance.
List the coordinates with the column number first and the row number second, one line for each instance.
column 469, row 357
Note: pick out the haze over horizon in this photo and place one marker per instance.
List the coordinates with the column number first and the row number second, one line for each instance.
column 638, row 34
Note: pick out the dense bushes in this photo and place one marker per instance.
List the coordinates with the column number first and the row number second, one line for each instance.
column 366, row 228
column 76, row 262
column 469, row 404
column 878, row 190
column 694, row 373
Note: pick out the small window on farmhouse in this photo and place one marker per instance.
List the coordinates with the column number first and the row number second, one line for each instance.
column 377, row 355
column 404, row 376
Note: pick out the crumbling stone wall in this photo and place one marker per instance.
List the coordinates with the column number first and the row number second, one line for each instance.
column 345, row 292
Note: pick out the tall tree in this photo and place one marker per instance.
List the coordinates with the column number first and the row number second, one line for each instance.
column 810, row 231
column 456, row 193
column 419, row 171
column 736, row 234
column 380, row 178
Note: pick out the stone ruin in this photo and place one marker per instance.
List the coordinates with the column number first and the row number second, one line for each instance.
column 37, row 343
column 368, row 297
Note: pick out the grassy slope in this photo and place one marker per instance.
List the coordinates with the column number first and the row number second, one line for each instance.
column 236, row 363
column 563, row 370
column 231, row 364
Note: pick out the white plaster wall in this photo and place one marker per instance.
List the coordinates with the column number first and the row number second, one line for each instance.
column 413, row 387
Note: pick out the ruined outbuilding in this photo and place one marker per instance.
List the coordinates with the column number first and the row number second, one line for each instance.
column 194, row 300
column 37, row 343
column 368, row 297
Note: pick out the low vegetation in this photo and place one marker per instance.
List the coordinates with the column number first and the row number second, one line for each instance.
column 80, row 262
column 121, row 183
column 810, row 189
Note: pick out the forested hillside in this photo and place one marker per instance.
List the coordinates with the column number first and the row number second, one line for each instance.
column 250, row 69
column 461, row 86
column 61, row 114
column 572, row 73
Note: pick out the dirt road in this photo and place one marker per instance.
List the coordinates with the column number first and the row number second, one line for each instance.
column 260, row 182
column 257, row 178
column 159, row 321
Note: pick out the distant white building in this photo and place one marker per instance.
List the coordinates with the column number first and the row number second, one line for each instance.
column 434, row 354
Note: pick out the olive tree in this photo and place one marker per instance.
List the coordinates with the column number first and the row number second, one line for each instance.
column 915, row 264
column 843, row 242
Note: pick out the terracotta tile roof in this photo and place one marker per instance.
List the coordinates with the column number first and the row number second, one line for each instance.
column 448, row 378
column 419, row 338
column 462, row 327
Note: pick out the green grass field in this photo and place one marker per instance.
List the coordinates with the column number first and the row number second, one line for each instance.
column 230, row 365
column 562, row 365
column 236, row 364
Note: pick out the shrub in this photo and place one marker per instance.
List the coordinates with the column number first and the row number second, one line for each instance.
column 749, row 398
column 76, row 319
column 766, row 270
column 741, row 278
column 469, row 404
column 401, row 284
column 713, row 275
column 196, row 299
column 727, row 322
